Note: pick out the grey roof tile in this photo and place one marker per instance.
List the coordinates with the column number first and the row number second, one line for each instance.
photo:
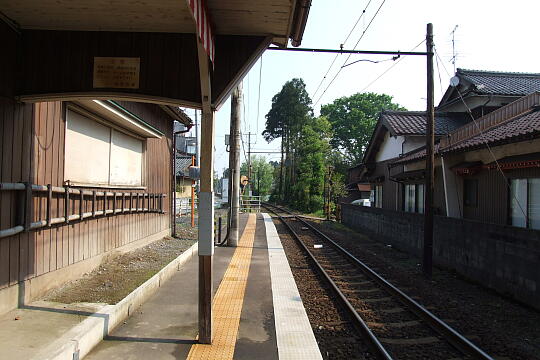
column 414, row 122
column 501, row 83
column 523, row 126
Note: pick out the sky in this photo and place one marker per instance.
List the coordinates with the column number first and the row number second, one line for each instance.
column 490, row 35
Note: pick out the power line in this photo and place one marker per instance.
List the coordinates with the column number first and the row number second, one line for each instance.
column 390, row 68
column 442, row 63
column 348, row 56
column 439, row 72
column 335, row 57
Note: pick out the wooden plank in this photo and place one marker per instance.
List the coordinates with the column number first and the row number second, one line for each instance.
column 5, row 113
column 53, row 169
column 31, row 122
column 18, row 198
column 26, row 154
column 48, row 145
column 62, row 240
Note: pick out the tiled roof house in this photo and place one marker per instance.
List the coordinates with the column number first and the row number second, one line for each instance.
column 486, row 159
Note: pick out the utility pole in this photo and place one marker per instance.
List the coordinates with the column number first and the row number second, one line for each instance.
column 427, row 264
column 234, row 163
column 249, row 165
column 259, row 182
column 329, row 195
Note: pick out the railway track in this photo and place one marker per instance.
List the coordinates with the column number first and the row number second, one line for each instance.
column 395, row 325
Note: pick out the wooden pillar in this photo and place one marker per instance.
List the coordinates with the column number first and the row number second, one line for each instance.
column 206, row 202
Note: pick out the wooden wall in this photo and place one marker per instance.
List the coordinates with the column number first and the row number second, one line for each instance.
column 16, row 252
column 168, row 68
column 493, row 195
column 32, row 149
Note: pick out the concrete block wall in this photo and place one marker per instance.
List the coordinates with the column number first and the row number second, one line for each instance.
column 501, row 257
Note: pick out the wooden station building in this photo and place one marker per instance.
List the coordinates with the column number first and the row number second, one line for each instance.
column 88, row 92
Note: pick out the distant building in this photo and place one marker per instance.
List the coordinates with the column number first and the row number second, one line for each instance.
column 487, row 160
column 487, row 182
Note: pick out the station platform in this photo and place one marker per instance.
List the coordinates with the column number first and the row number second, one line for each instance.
column 257, row 310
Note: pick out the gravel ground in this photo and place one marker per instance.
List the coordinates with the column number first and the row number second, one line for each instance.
column 118, row 276
column 336, row 336
column 501, row 327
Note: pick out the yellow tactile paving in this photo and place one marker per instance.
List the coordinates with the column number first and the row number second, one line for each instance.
column 228, row 301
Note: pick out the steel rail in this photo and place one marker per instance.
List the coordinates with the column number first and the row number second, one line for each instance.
column 452, row 336
column 358, row 322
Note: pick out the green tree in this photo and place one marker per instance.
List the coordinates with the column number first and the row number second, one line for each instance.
column 313, row 147
column 290, row 111
column 262, row 173
column 353, row 119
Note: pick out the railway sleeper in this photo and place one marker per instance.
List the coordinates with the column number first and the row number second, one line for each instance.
column 397, row 325
column 417, row 341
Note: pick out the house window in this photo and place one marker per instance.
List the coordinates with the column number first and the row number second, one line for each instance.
column 414, row 198
column 101, row 155
column 470, row 192
column 375, row 197
column 525, row 203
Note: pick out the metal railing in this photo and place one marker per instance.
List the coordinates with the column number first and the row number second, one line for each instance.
column 183, row 206
column 24, row 205
column 250, row 203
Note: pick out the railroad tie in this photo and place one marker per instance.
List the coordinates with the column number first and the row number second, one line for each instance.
column 376, row 300
column 360, row 283
column 417, row 341
column 365, row 291
column 394, row 325
column 392, row 310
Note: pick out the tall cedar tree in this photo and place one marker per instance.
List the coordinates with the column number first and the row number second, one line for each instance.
column 313, row 148
column 290, row 111
column 353, row 120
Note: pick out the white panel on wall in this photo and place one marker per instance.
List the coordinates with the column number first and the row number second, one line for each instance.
column 87, row 150
column 390, row 148
column 126, row 159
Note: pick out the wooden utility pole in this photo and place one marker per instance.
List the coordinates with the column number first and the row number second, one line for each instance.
column 427, row 263
column 329, row 192
column 250, row 189
column 234, row 164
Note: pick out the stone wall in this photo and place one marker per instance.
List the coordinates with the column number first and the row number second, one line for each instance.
column 501, row 257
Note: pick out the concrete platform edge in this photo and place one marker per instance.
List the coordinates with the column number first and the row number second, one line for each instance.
column 80, row 340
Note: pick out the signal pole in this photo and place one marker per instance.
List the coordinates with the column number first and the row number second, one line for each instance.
column 249, row 164
column 427, row 264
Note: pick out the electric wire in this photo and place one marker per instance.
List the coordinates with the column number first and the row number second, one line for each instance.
column 349, row 55
column 336, row 56
column 390, row 67
column 438, row 72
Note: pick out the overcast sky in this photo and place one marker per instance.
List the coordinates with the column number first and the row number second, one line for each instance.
column 491, row 35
